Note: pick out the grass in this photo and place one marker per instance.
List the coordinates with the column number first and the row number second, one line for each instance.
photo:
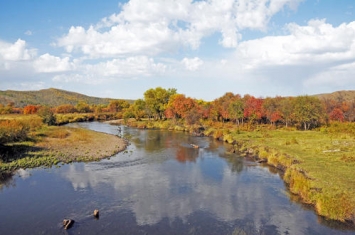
column 319, row 166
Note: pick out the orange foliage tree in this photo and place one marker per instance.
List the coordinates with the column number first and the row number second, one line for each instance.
column 30, row 109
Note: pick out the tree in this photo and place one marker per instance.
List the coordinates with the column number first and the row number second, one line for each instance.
column 236, row 110
column 337, row 115
column 116, row 106
column 286, row 110
column 30, row 109
column 253, row 109
column 157, row 100
column 221, row 106
column 272, row 107
column 137, row 109
column 66, row 108
column 308, row 111
column 47, row 115
column 83, row 107
column 179, row 105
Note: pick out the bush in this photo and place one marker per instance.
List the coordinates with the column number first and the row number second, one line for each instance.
column 12, row 130
column 47, row 115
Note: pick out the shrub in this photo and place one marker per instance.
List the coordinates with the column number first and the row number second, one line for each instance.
column 12, row 130
column 47, row 115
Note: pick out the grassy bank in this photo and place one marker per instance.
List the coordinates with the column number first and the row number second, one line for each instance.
column 318, row 165
column 50, row 145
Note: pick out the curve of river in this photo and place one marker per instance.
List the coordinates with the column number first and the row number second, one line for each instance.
column 159, row 185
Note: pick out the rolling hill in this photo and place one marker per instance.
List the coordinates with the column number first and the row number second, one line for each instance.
column 55, row 97
column 338, row 96
column 51, row 97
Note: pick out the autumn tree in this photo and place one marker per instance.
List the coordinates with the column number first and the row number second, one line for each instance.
column 337, row 115
column 83, row 107
column 221, row 106
column 272, row 108
column 157, row 100
column 179, row 105
column 118, row 105
column 30, row 109
column 136, row 110
column 66, row 108
column 253, row 109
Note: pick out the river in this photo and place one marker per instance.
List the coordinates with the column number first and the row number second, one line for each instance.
column 159, row 185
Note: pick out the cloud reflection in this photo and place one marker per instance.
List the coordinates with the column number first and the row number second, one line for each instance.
column 176, row 189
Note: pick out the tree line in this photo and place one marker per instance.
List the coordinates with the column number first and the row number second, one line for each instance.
column 303, row 112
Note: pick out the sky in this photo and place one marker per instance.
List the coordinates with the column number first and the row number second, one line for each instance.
column 203, row 48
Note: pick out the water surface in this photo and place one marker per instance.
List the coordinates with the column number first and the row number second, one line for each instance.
column 159, row 185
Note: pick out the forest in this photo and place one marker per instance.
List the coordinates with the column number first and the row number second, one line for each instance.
column 301, row 112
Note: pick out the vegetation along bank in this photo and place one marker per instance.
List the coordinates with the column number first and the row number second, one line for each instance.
column 311, row 139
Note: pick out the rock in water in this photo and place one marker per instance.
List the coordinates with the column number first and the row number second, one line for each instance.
column 68, row 223
column 96, row 214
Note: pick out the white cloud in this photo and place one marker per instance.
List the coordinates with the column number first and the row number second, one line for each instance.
column 159, row 26
column 131, row 67
column 317, row 42
column 192, row 64
column 16, row 51
column 48, row 64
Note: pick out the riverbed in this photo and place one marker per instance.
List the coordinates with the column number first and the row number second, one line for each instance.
column 160, row 184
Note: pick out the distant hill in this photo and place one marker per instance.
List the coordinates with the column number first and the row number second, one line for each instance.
column 51, row 97
column 338, row 96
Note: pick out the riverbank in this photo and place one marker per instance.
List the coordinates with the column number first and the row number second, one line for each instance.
column 318, row 165
column 50, row 145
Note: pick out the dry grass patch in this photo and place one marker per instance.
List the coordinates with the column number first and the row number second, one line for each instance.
column 74, row 144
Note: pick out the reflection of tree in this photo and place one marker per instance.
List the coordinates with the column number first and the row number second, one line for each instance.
column 236, row 163
column 184, row 154
column 6, row 180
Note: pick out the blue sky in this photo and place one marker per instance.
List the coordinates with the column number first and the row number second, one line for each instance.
column 204, row 48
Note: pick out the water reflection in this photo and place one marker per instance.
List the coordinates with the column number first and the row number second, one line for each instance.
column 6, row 180
column 160, row 185
column 165, row 178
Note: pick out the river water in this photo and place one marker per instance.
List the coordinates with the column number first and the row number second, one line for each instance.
column 159, row 185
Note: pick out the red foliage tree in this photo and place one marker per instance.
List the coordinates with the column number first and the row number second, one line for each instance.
column 253, row 109
column 337, row 115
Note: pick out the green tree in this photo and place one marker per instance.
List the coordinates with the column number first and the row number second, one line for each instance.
column 157, row 100
column 308, row 111
column 236, row 110
column 286, row 109
column 47, row 115
column 137, row 110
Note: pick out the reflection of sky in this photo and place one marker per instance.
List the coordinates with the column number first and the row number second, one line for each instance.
column 159, row 187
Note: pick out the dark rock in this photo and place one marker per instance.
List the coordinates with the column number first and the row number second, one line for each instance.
column 68, row 223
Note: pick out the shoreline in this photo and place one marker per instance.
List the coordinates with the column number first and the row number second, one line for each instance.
column 301, row 177
column 63, row 145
